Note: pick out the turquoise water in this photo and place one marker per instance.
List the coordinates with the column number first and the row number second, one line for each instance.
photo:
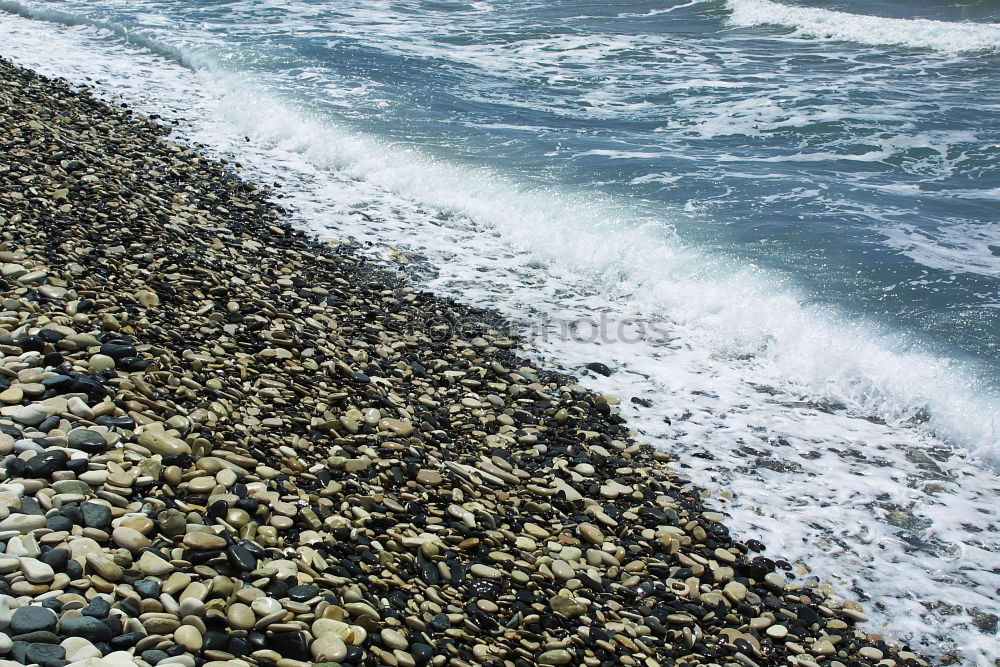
column 804, row 195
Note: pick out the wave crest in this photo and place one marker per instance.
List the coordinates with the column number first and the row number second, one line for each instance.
column 945, row 36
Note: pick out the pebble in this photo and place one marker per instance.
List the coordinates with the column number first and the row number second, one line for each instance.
column 31, row 619
column 557, row 656
column 240, row 616
column 36, row 572
column 189, row 637
column 393, row 639
column 590, row 533
column 485, row 571
column 777, row 631
column 329, row 648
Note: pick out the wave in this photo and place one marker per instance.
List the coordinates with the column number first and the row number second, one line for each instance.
column 944, row 36
column 184, row 55
column 744, row 316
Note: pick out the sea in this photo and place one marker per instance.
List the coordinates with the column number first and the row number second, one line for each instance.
column 776, row 223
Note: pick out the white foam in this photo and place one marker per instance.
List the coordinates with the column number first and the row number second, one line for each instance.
column 872, row 30
column 960, row 246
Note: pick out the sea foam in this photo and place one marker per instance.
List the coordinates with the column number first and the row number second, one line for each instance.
column 949, row 37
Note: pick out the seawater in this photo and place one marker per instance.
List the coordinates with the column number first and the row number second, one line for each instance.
column 776, row 221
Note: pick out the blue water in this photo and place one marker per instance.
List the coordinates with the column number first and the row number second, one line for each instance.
column 808, row 192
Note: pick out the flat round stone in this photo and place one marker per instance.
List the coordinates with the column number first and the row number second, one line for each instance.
column 189, row 637
column 562, row 569
column 393, row 639
column 328, row 648
column 204, row 541
column 240, row 616
column 484, row 571
column 559, row 656
column 590, row 533
column 264, row 606
column 429, row 477
column 31, row 619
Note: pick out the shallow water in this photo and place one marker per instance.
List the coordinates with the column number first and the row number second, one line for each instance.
column 777, row 222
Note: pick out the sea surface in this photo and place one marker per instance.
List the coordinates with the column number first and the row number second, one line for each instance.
column 778, row 223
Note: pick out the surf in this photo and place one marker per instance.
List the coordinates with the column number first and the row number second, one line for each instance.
column 943, row 36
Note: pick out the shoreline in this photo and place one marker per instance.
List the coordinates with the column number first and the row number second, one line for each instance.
column 418, row 501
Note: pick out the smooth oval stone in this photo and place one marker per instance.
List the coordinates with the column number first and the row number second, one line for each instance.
column 78, row 648
column 393, row 639
column 36, row 572
column 159, row 442
column 189, row 637
column 31, row 619
column 152, row 565
column 99, row 363
column 129, row 538
column 22, row 523
column 204, row 541
column 484, row 571
column 240, row 616
column 264, row 606
column 328, row 648
column 559, row 656
column 777, row 631
column 88, row 627
column 361, row 609
column 30, row 415
column 201, row 485
column 397, row 426
column 103, row 565
column 562, row 569
column 590, row 533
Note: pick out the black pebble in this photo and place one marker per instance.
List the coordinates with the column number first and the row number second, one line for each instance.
column 422, row 653
column 98, row 608
column 152, row 656
column 215, row 640
column 96, row 516
column 30, row 619
column 74, row 570
column 48, row 424
column 118, row 349
column 31, row 506
column 57, row 383
column 115, row 422
column 290, row 645
column 239, row 646
column 132, row 364
column 599, row 368
column 147, row 588
column 126, row 641
column 302, row 593
column 87, row 627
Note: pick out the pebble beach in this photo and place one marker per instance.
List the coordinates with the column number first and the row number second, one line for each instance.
column 224, row 442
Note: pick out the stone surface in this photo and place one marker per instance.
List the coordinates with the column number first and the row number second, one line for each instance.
column 31, row 619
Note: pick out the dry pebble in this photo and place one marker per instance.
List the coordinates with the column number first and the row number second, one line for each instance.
column 224, row 443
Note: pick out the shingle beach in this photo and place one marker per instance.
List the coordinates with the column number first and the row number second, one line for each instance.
column 225, row 443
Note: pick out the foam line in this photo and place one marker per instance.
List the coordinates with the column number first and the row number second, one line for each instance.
column 945, row 36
